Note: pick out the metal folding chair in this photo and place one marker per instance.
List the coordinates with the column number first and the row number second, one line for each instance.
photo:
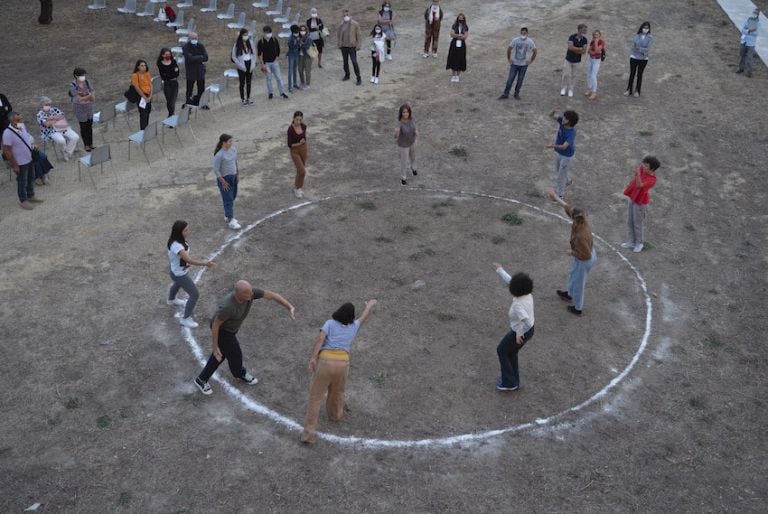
column 98, row 155
column 229, row 15
column 128, row 8
column 176, row 121
column 142, row 137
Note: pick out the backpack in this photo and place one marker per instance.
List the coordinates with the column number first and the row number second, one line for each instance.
column 170, row 13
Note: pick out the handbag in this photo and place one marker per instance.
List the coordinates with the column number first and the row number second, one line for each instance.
column 132, row 95
column 602, row 55
column 325, row 32
column 312, row 52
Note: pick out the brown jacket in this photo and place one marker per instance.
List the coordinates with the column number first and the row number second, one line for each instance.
column 581, row 237
column 348, row 35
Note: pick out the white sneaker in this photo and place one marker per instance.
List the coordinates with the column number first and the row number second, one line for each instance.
column 298, row 193
column 627, row 93
column 233, row 224
column 638, row 248
column 189, row 322
column 373, row 79
column 627, row 245
column 570, row 92
column 389, row 57
column 562, row 92
column 426, row 56
column 176, row 301
column 434, row 55
column 458, row 79
column 376, row 80
column 249, row 379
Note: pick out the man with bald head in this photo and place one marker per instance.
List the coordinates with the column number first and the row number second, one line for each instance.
column 230, row 314
column 195, row 57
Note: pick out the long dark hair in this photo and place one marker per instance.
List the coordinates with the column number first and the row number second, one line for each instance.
column 163, row 51
column 645, row 24
column 241, row 46
column 404, row 107
column 382, row 11
column 138, row 63
column 373, row 30
column 462, row 23
column 177, row 234
column 345, row 314
column 222, row 139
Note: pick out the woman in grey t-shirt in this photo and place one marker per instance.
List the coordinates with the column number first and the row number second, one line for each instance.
column 405, row 135
column 226, row 171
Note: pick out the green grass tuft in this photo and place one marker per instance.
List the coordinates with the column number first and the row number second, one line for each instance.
column 511, row 218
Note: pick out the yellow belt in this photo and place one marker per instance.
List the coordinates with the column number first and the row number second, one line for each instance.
column 334, row 355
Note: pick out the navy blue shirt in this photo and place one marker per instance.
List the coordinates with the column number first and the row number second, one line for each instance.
column 565, row 134
column 579, row 42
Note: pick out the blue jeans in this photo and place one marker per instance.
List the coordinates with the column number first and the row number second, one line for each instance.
column 507, row 352
column 745, row 57
column 25, row 181
column 562, row 165
column 186, row 283
column 519, row 71
column 293, row 71
column 274, row 69
column 228, row 197
column 577, row 279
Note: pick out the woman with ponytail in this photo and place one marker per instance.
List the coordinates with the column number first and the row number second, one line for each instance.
column 226, row 170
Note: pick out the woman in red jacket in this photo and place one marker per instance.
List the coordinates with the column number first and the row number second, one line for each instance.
column 637, row 190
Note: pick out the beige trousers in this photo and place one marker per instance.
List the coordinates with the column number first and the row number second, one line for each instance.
column 331, row 377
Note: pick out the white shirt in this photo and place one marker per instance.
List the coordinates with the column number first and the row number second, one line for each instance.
column 177, row 268
column 521, row 311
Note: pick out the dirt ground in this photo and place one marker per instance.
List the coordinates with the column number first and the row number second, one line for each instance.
column 99, row 412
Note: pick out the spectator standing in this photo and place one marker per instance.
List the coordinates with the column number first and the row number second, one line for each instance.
column 584, row 256
column 564, row 147
column 387, row 21
column 637, row 192
column 244, row 59
column 297, row 143
column 195, row 57
column 405, row 136
column 518, row 59
column 305, row 60
column 268, row 50
column 577, row 46
column 169, row 73
column 141, row 80
column 748, row 41
column 55, row 127
column 349, row 39
column 457, row 52
column 638, row 57
column 83, row 97
column 433, row 17
column 378, row 49
column 17, row 149
column 595, row 55
column 294, row 45
column 227, row 172
column 316, row 29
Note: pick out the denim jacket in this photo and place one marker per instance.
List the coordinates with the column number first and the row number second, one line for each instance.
column 750, row 38
column 641, row 46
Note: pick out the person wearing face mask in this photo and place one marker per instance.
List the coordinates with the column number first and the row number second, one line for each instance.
column 349, row 39
column 577, row 46
column 433, row 16
column 638, row 57
column 316, row 28
column 242, row 56
column 748, row 41
column 378, row 47
column 17, row 149
column 518, row 63
column 595, row 53
column 83, row 97
column 457, row 52
column 387, row 22
column 305, row 60
column 54, row 127
column 169, row 73
column 195, row 57
column 268, row 50
column 294, row 43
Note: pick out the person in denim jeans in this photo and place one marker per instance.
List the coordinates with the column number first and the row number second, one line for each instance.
column 17, row 148
column 748, row 41
column 268, row 50
column 294, row 44
column 518, row 63
column 226, row 170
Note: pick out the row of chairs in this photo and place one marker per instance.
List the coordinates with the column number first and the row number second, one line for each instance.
column 130, row 7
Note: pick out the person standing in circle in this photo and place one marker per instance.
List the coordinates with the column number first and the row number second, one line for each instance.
column 577, row 46
column 638, row 57
column 179, row 263
column 242, row 56
column 405, row 135
column 378, row 40
column 521, row 327
column 316, row 28
column 564, row 147
column 225, row 324
column 329, row 365
column 169, row 73
column 297, row 142
column 141, row 81
column 457, row 52
column 583, row 253
column 595, row 53
column 637, row 192
column 387, row 22
column 82, row 95
column 226, row 170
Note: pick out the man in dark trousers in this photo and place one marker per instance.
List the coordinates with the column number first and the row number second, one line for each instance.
column 5, row 111
column 46, row 12
column 195, row 57
column 349, row 40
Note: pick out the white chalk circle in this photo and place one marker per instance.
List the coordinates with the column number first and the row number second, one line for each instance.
column 367, row 442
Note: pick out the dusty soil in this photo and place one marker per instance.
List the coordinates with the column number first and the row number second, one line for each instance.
column 99, row 411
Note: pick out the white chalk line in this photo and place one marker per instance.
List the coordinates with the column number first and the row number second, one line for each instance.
column 436, row 442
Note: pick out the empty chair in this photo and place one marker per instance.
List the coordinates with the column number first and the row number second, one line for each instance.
column 179, row 23
column 142, row 137
column 98, row 4
column 98, row 155
column 176, row 121
column 292, row 21
column 128, row 8
column 263, row 4
column 278, row 9
column 211, row 7
column 215, row 90
column 284, row 35
column 103, row 117
column 252, row 30
column 124, row 108
column 185, row 4
column 283, row 17
column 229, row 74
column 149, row 10
column 239, row 24
column 157, row 85
column 229, row 15
column 191, row 26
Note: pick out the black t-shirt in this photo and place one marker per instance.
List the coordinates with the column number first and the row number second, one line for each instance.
column 579, row 42
column 168, row 71
column 269, row 50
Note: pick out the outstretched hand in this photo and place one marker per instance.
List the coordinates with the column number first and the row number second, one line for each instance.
column 496, row 265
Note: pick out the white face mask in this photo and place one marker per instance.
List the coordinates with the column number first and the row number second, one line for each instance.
column 303, row 32
column 523, row 37
column 386, row 9
column 646, row 31
column 246, row 38
column 268, row 35
column 314, row 15
column 378, row 31
column 347, row 18
column 46, row 108
column 20, row 126
column 81, row 78
column 193, row 41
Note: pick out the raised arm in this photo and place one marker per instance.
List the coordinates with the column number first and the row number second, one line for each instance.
column 502, row 272
column 270, row 295
column 366, row 312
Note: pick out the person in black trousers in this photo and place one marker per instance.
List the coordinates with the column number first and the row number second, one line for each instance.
column 46, row 12
column 195, row 57
column 169, row 72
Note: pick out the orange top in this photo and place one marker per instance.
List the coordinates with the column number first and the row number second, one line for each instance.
column 142, row 82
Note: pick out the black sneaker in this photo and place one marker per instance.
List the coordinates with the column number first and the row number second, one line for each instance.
column 503, row 97
column 564, row 296
column 204, row 387
column 414, row 172
column 516, row 97
column 270, row 96
column 403, row 182
column 346, row 77
column 502, row 387
column 359, row 81
column 574, row 310
column 205, row 108
column 283, row 95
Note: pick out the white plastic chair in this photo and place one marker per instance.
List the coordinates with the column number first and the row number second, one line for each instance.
column 215, row 90
column 149, row 10
column 229, row 15
column 179, row 23
column 161, row 17
column 205, row 100
column 157, row 84
column 103, row 117
column 211, row 7
column 283, row 17
column 239, row 24
column 124, row 108
column 128, row 8
column 98, row 4
column 252, row 29
column 191, row 26
column 98, row 155
column 230, row 74
column 278, row 10
column 292, row 21
column 176, row 121
column 142, row 137
column 185, row 4
column 284, row 35
column 263, row 4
